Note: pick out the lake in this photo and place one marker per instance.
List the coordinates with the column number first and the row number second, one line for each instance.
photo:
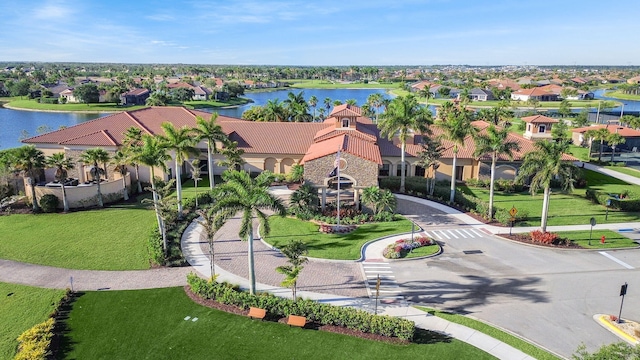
column 15, row 124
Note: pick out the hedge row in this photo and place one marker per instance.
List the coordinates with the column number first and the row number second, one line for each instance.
column 316, row 312
column 601, row 197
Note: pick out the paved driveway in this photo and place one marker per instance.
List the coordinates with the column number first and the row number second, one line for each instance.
column 546, row 295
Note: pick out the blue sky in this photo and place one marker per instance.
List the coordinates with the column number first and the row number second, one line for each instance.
column 352, row 32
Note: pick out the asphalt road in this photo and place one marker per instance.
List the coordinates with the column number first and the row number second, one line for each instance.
column 546, row 295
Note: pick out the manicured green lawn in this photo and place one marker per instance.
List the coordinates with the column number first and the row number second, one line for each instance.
column 34, row 105
column 22, row 307
column 114, row 238
column 423, row 251
column 566, row 209
column 625, row 170
column 621, row 95
column 150, row 324
column 580, row 152
column 331, row 246
column 612, row 239
column 505, row 337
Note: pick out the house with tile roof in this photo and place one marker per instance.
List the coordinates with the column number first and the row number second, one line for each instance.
column 277, row 146
column 631, row 136
column 538, row 127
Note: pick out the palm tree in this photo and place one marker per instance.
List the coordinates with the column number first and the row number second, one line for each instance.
column 294, row 252
column 403, row 116
column 132, row 138
column 183, row 144
column 27, row 159
column 120, row 160
column 94, row 157
column 456, row 126
column 327, row 104
column 153, row 154
column 545, row 164
column 233, row 156
column 208, row 222
column 62, row 165
column 241, row 193
column 601, row 135
column 371, row 196
column 426, row 93
column 212, row 133
column 304, row 199
column 429, row 156
column 274, row 111
column 195, row 175
column 614, row 140
column 313, row 102
column 494, row 142
column 375, row 100
column 352, row 102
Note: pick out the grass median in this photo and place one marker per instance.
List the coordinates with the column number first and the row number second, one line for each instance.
column 166, row 324
column 331, row 246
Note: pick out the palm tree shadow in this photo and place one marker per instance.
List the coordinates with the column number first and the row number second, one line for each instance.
column 61, row 343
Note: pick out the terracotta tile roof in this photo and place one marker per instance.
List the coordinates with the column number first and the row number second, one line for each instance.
column 362, row 130
column 346, row 143
column 539, row 119
column 622, row 130
column 136, row 92
column 92, row 133
column 272, row 137
column 531, row 92
column 345, row 110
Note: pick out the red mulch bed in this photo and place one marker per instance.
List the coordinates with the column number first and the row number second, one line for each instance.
column 526, row 238
column 330, row 328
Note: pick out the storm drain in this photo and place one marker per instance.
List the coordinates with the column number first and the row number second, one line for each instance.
column 471, row 252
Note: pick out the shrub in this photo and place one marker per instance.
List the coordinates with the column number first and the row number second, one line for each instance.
column 154, row 247
column 312, row 310
column 49, row 203
column 400, row 248
column 544, row 237
column 34, row 343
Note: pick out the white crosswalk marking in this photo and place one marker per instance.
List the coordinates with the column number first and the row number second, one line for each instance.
column 461, row 233
column 444, row 234
column 389, row 288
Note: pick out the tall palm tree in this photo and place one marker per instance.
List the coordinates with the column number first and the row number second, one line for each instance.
column 208, row 223
column 426, row 93
column 455, row 126
column 428, row 158
column 120, row 161
column 327, row 104
column 132, row 139
column 250, row 197
column 212, row 133
column 153, row 154
column 403, row 116
column 62, row 165
column 545, row 164
column 94, row 157
column 614, row 140
column 375, row 100
column 495, row 143
column 274, row 111
column 313, row 102
column 183, row 144
column 600, row 135
column 27, row 159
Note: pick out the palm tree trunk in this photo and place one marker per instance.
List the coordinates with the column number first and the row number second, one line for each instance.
column 211, row 255
column 178, row 188
column 210, row 165
column 545, row 208
column 124, row 186
column 65, row 205
column 252, row 273
column 138, row 179
column 600, row 152
column 402, row 170
column 100, row 202
column 453, row 176
column 493, row 176
column 613, row 153
column 158, row 217
column 35, row 206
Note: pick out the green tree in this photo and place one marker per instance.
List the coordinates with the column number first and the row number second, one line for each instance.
column 182, row 144
column 614, row 140
column 327, row 104
column 560, row 131
column 94, row 157
column 183, row 94
column 87, row 93
column 132, row 142
column 375, row 101
column 19, row 88
column 615, row 351
column 239, row 193
column 304, row 201
column 582, row 119
column 379, row 200
column 404, row 115
column 233, row 156
column 426, row 94
column 212, row 133
column 153, row 154
column 544, row 165
column 313, row 102
column 274, row 110
column 294, row 252
column 565, row 108
column 494, row 142
column 456, row 127
column 62, row 165
column 120, row 161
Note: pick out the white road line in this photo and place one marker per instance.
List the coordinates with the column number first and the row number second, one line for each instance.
column 455, row 236
column 381, row 276
column 443, row 234
column 471, row 233
column 461, row 233
column 390, row 291
column 611, row 257
column 376, row 266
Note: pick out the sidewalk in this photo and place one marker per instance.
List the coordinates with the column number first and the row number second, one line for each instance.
column 192, row 250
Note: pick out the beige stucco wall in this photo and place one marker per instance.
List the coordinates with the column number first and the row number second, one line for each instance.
column 470, row 169
column 84, row 196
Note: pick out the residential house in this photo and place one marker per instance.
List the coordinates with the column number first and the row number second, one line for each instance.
column 538, row 127
column 135, row 97
column 477, row 94
column 631, row 136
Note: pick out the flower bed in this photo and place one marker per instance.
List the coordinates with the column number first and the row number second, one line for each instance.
column 402, row 247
